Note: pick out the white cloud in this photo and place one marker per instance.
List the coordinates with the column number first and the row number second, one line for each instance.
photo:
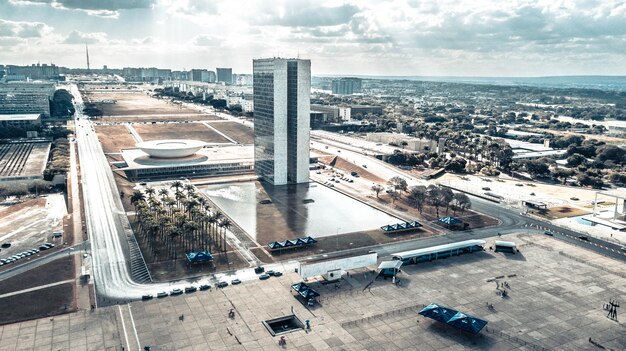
column 385, row 36
column 23, row 29
column 77, row 37
column 98, row 8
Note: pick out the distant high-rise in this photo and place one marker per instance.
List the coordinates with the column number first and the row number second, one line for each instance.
column 346, row 86
column 225, row 75
column 282, row 102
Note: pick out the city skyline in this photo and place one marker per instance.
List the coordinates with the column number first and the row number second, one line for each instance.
column 394, row 38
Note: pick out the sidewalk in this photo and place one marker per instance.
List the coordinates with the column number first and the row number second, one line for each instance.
column 82, row 290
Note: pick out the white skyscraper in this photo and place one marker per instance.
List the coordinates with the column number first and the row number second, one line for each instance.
column 282, row 99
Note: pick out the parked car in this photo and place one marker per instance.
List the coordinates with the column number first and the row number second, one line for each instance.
column 264, row 276
column 146, row 297
column 162, row 294
column 222, row 284
column 205, row 287
column 486, row 188
column 583, row 238
column 190, row 289
column 235, row 281
column 547, row 232
column 278, row 274
column 176, row 291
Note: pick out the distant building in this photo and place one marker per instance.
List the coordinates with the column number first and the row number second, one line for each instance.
column 225, row 75
column 347, row 113
column 180, row 75
column 212, row 77
column 282, row 92
column 330, row 113
column 34, row 71
column 397, row 139
column 20, row 120
column 26, row 98
column 199, row 75
column 242, row 79
column 150, row 74
column 346, row 86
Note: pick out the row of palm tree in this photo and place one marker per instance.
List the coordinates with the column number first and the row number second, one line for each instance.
column 171, row 226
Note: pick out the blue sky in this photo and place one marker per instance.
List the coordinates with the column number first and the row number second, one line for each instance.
column 384, row 37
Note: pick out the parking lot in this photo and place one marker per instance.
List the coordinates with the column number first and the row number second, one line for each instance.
column 25, row 228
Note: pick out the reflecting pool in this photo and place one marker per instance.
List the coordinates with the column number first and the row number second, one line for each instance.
column 269, row 213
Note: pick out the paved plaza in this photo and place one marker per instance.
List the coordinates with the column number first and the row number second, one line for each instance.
column 556, row 293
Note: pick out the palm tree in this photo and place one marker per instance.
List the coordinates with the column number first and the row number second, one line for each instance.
column 150, row 192
column 190, row 189
column 177, row 184
column 136, row 197
column 225, row 224
column 163, row 193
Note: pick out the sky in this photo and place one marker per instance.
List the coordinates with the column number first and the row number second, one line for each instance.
column 513, row 38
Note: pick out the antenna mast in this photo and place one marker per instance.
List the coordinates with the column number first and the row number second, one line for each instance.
column 87, row 53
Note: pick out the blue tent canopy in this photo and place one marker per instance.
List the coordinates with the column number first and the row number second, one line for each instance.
column 199, row 256
column 300, row 242
column 401, row 226
column 467, row 323
column 450, row 220
column 305, row 291
column 438, row 313
column 454, row 318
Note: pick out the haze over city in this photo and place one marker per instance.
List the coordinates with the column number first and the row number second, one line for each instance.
column 392, row 37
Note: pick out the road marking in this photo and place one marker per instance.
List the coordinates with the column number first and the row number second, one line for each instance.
column 36, row 288
column 124, row 327
column 132, row 321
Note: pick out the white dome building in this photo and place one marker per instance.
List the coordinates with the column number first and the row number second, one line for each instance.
column 182, row 158
column 173, row 148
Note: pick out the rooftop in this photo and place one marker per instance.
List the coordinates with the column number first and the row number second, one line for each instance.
column 138, row 159
column 20, row 117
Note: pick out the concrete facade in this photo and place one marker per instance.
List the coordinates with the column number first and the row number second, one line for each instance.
column 282, row 89
column 225, row 75
column 26, row 98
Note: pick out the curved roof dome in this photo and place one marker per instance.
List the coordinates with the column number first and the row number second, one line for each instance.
column 172, row 148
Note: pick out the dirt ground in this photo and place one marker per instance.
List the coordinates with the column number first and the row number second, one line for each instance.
column 429, row 214
column 178, row 269
column 58, row 299
column 55, row 271
column 114, row 138
column 30, row 203
column 195, row 131
column 135, row 104
column 343, row 242
column 565, row 211
column 157, row 116
column 237, row 131
column 551, row 194
column 349, row 167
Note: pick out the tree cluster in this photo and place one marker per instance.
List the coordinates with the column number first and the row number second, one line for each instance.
column 171, row 225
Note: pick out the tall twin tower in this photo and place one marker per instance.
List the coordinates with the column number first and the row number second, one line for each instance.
column 282, row 103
